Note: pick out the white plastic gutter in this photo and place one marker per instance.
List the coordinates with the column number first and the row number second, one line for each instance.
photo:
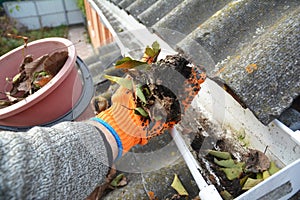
column 207, row 192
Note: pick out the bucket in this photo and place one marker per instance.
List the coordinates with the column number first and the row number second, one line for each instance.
column 64, row 98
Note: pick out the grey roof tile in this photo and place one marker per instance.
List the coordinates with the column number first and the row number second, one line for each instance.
column 139, row 7
column 116, row 1
column 265, row 75
column 187, row 16
column 157, row 11
column 291, row 117
column 125, row 3
column 236, row 26
column 232, row 36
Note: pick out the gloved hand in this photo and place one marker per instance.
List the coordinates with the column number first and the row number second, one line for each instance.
column 130, row 128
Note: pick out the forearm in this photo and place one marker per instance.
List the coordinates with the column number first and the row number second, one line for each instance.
column 66, row 160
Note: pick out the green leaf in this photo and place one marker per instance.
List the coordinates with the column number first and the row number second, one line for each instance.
column 266, row 174
column 226, row 195
column 140, row 94
column 4, row 103
column 16, row 77
column 130, row 64
column 141, row 111
column 232, row 173
column 116, row 181
column 177, row 185
column 149, row 52
column 123, row 60
column 259, row 175
column 225, row 163
column 156, row 47
column 243, row 180
column 273, row 168
column 250, row 183
column 124, row 82
column 220, row 154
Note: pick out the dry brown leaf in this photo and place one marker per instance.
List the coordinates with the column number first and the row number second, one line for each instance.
column 257, row 161
column 35, row 66
column 55, row 62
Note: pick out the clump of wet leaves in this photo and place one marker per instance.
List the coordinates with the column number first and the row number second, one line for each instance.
column 33, row 74
column 151, row 89
column 243, row 175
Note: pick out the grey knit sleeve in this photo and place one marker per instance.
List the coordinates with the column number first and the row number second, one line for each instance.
column 65, row 161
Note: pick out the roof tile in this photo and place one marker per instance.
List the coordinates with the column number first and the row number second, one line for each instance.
column 186, row 17
column 157, row 11
column 139, row 7
column 125, row 3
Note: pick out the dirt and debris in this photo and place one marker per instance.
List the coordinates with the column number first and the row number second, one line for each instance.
column 225, row 162
column 161, row 88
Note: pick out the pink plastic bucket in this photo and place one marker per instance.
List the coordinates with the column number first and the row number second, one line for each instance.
column 51, row 101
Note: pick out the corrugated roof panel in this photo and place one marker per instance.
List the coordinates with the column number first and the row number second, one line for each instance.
column 187, row 16
column 140, row 6
column 116, row 1
column 236, row 26
column 265, row 75
column 157, row 11
column 125, row 3
column 251, row 46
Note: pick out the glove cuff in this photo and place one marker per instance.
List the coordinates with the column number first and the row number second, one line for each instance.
column 124, row 126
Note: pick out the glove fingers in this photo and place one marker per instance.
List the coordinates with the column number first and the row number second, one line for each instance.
column 123, row 96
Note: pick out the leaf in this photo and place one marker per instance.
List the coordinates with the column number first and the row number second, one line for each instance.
column 131, row 64
column 226, row 195
column 151, row 54
column 257, row 162
column 220, row 154
column 250, row 183
column 259, row 175
column 4, row 103
column 35, row 66
column 243, row 180
column 42, row 80
column 24, row 86
column 123, row 60
column 156, row 47
column 266, row 174
column 119, row 181
column 55, row 62
column 140, row 94
column 124, row 82
column 141, row 111
column 232, row 173
column 16, row 77
column 152, row 196
column 225, row 163
column 11, row 98
column 273, row 168
column 177, row 185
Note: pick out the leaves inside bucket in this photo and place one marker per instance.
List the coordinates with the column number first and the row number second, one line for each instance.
column 33, row 74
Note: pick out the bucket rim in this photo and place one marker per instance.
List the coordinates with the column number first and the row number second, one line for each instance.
column 80, row 106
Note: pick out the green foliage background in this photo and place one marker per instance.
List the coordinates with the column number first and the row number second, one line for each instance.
column 7, row 26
